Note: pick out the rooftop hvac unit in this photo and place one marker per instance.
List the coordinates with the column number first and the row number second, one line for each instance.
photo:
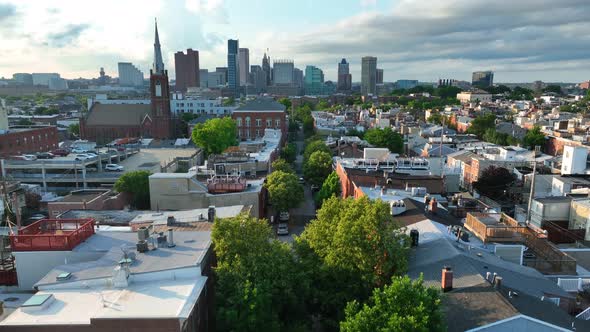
column 143, row 233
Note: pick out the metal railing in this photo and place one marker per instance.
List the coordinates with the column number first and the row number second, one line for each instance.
column 52, row 235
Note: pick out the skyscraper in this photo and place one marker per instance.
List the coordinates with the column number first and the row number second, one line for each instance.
column 258, row 78
column 314, row 80
column 379, row 76
column 482, row 79
column 244, row 65
column 368, row 75
column 283, row 71
column 266, row 68
column 298, row 77
column 233, row 67
column 187, row 69
column 203, row 78
column 344, row 77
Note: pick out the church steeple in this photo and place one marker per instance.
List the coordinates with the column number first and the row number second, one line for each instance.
column 158, row 66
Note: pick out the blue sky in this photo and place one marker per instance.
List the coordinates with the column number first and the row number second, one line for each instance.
column 521, row 40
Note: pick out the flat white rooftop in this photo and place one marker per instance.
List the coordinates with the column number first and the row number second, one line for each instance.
column 160, row 299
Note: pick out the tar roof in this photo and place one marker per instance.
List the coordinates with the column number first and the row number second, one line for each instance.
column 189, row 251
column 261, row 104
column 117, row 114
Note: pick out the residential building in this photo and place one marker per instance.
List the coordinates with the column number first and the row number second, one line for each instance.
column 187, row 69
column 574, row 160
column 267, row 69
column 314, row 80
column 88, row 199
column 379, row 76
column 474, row 96
column 129, row 75
column 182, row 103
column 233, row 67
column 244, row 65
column 203, row 78
column 27, row 140
column 550, row 209
column 283, row 71
column 257, row 115
column 23, row 78
column 482, row 79
column 344, row 77
column 368, row 76
column 43, row 78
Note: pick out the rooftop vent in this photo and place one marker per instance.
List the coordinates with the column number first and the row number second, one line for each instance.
column 38, row 302
column 63, row 276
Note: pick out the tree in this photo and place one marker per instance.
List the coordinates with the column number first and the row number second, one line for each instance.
column 403, row 305
column 215, row 135
column 482, row 123
column 74, row 129
column 308, row 126
column 534, row 137
column 284, row 190
column 494, row 181
column 553, row 88
column 355, row 132
column 137, row 184
column 257, row 278
column 330, row 187
column 229, row 101
column 24, row 122
column 385, row 138
column 289, row 152
column 286, row 102
column 435, row 118
column 281, row 165
column 322, row 105
column 317, row 168
column 313, row 146
column 351, row 247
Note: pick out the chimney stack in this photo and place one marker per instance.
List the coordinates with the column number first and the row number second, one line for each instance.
column 171, row 238
column 498, row 283
column 447, row 279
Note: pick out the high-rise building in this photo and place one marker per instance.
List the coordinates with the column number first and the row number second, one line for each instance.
column 233, row 66
column 379, row 76
column 218, row 78
column 283, row 71
column 344, row 77
column 298, row 77
column 368, row 75
column 223, row 72
column 43, row 78
column 482, row 79
column 266, row 68
column 187, row 69
column 23, row 78
column 58, row 84
column 314, row 80
column 203, row 78
column 258, row 78
column 244, row 65
column 129, row 75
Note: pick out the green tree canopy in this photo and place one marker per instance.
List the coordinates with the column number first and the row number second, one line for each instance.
column 330, row 187
column 282, row 165
column 215, row 135
column 313, row 146
column 308, row 126
column 385, row 138
column 435, row 118
column 317, row 168
column 284, row 190
column 493, row 136
column 257, row 279
column 138, row 185
column 534, row 137
column 287, row 102
column 403, row 305
column 482, row 123
column 494, row 181
column 553, row 88
column 74, row 129
column 289, row 152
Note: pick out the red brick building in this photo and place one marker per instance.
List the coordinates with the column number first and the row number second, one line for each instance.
column 187, row 69
column 257, row 115
column 28, row 140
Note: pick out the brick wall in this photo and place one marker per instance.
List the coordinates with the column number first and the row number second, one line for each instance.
column 28, row 141
column 256, row 128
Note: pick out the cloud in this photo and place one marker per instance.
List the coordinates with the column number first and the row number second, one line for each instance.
column 67, row 36
column 7, row 11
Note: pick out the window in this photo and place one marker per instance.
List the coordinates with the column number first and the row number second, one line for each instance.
column 278, row 123
column 248, row 122
column 257, row 133
column 239, row 121
column 258, row 122
column 268, row 123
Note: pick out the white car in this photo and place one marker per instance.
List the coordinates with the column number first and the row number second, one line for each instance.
column 83, row 156
column 113, row 168
column 29, row 157
column 79, row 150
column 283, row 229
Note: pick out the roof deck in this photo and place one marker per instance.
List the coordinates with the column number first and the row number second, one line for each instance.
column 52, row 235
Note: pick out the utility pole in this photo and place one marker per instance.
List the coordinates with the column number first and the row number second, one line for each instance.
column 531, row 194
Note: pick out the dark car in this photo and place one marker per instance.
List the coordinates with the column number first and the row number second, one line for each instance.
column 60, row 152
column 45, row 155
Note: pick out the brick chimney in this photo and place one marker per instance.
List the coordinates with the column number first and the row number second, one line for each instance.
column 447, row 279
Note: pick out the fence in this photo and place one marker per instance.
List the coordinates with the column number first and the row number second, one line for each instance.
column 52, row 235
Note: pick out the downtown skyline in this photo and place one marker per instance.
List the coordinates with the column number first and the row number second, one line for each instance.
column 411, row 39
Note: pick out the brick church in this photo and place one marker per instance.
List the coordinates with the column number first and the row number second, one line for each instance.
column 113, row 119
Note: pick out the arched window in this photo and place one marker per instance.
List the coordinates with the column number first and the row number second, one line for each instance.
column 247, row 121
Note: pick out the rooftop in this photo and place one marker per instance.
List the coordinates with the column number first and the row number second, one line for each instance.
column 261, row 105
column 86, row 195
column 121, row 114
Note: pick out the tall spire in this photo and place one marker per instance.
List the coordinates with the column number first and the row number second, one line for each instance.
column 158, row 66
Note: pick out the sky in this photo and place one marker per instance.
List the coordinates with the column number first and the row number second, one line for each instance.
column 520, row 40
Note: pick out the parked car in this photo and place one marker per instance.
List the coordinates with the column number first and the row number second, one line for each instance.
column 121, row 148
column 301, row 180
column 91, row 169
column 113, row 168
column 45, row 155
column 60, row 152
column 283, row 229
column 79, row 150
column 83, row 156
column 29, row 157
column 314, row 187
column 284, row 216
